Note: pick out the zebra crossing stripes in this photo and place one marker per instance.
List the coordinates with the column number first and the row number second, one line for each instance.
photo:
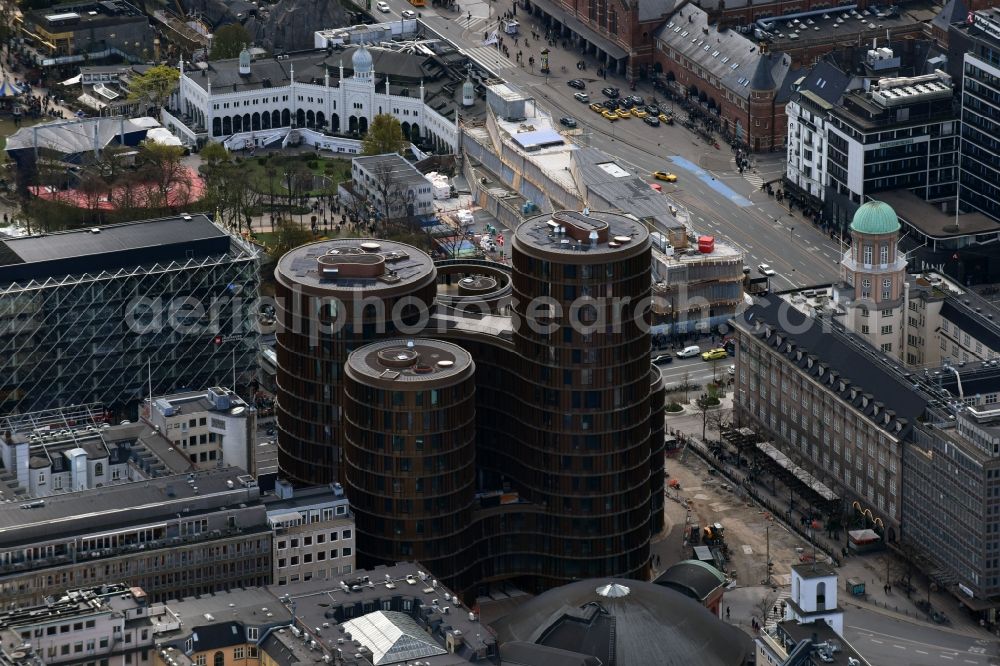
column 470, row 23
column 489, row 57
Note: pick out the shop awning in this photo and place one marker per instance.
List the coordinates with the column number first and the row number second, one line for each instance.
column 72, row 81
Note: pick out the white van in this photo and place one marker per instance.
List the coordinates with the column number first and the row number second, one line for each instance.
column 464, row 217
column 689, row 352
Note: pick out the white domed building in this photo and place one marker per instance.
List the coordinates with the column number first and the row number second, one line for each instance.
column 338, row 93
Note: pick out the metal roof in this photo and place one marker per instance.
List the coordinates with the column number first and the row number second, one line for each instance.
column 538, row 139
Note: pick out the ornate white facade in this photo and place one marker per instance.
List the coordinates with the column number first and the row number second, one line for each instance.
column 263, row 101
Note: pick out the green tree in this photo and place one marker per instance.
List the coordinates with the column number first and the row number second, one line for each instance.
column 154, row 86
column 214, row 153
column 228, row 41
column 287, row 236
column 161, row 167
column 384, row 136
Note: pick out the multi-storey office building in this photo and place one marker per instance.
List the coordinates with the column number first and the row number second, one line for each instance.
column 313, row 533
column 900, row 134
column 80, row 310
column 828, row 403
column 105, row 624
column 980, row 170
column 173, row 536
column 568, row 471
column 951, row 493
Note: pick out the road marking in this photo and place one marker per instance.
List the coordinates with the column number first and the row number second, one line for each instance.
column 944, row 656
column 875, row 640
column 921, row 651
column 899, row 647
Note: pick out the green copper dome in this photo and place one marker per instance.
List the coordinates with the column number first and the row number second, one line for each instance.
column 875, row 217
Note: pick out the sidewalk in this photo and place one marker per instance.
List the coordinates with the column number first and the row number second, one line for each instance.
column 774, row 495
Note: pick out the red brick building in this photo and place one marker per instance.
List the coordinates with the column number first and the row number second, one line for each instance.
column 728, row 76
column 619, row 32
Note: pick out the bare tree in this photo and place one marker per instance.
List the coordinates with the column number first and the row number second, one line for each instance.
column 387, row 197
column 766, row 605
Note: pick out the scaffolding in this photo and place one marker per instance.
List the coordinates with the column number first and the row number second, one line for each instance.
column 79, row 339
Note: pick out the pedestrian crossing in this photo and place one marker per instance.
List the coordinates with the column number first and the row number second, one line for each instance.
column 471, row 23
column 489, row 57
column 774, row 614
column 754, row 179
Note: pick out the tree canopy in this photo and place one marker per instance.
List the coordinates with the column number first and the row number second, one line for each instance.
column 155, row 85
column 228, row 41
column 384, row 136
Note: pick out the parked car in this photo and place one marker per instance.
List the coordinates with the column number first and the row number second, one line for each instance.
column 610, row 104
column 624, row 114
column 610, row 115
column 610, row 92
column 653, row 110
column 597, row 108
column 662, row 359
column 577, row 83
column 581, row 97
column 638, row 113
column 663, row 175
column 626, row 103
column 667, row 118
column 637, row 100
column 689, row 351
column 714, row 354
column 652, row 121
column 383, row 7
column 566, row 121
column 765, row 269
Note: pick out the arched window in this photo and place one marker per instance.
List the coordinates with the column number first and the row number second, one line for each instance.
column 219, row 659
column 821, row 596
column 99, row 469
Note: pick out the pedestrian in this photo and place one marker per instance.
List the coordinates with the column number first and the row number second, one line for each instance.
column 727, row 612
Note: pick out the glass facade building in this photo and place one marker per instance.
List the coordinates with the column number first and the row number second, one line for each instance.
column 108, row 314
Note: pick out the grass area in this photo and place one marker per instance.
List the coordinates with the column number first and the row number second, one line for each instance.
column 7, row 127
column 269, row 171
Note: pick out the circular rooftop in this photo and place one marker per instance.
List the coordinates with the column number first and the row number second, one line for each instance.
column 391, row 362
column 875, row 217
column 572, row 234
column 642, row 622
column 354, row 265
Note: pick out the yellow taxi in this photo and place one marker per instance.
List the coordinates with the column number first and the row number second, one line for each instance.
column 663, row 175
column 638, row 113
column 597, row 108
column 624, row 114
column 610, row 115
column 713, row 354
column 666, row 119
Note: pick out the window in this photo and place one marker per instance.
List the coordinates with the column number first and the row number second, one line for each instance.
column 868, row 254
column 99, row 469
column 887, row 348
column 883, row 254
column 200, row 661
column 239, row 652
column 253, row 633
column 219, row 659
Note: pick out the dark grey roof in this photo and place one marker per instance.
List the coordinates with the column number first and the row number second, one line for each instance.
column 954, row 11
column 692, row 578
column 834, row 360
column 312, row 66
column 114, row 247
column 651, row 624
column 826, row 81
column 650, row 10
column 728, row 55
column 762, row 79
column 519, row 653
column 972, row 323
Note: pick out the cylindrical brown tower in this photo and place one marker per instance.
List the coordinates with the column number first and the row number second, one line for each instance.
column 333, row 296
column 409, row 451
column 581, row 291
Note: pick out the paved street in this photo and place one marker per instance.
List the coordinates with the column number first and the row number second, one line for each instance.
column 695, row 370
column 721, row 200
column 887, row 640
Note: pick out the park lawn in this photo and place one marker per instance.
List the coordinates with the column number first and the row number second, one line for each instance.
column 257, row 172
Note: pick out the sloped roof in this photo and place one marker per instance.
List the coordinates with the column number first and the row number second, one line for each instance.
column 727, row 55
column 826, row 81
column 954, row 11
column 70, row 138
column 693, row 578
column 392, row 637
column 762, row 79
